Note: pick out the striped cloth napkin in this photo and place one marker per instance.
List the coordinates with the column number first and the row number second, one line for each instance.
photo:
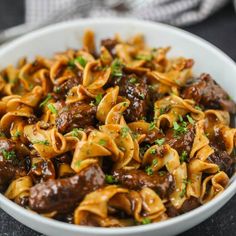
column 40, row 13
column 175, row 12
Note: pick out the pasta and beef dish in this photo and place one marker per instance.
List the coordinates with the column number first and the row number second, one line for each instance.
column 114, row 137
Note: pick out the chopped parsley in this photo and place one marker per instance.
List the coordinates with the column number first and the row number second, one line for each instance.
column 142, row 95
column 75, row 132
column 190, row 119
column 161, row 173
column 102, row 142
column 183, row 192
column 77, row 163
column 149, row 170
column 154, row 162
column 43, row 142
column 146, row 221
column 124, row 132
column 153, row 151
column 116, row 68
column 98, row 99
column 17, row 134
column 164, row 110
column 183, row 156
column 198, row 108
column 144, row 57
column 34, row 166
column 133, row 80
column 81, row 61
column 110, row 179
column 52, row 108
column 179, row 128
column 160, row 141
column 8, row 155
column 56, row 89
column 71, row 64
column 45, row 101
column 151, row 126
column 181, row 118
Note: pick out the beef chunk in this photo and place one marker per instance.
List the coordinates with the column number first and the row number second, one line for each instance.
column 109, row 44
column 223, row 160
column 136, row 90
column 76, row 115
column 64, row 88
column 10, row 165
column 182, row 142
column 136, row 179
column 7, row 173
column 42, row 171
column 61, row 195
column 207, row 92
column 187, row 206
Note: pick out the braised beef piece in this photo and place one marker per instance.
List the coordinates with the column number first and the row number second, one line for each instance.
column 136, row 90
column 76, row 115
column 187, row 206
column 223, row 160
column 205, row 91
column 7, row 173
column 64, row 88
column 181, row 142
column 61, row 195
column 10, row 164
column 109, row 44
column 42, row 171
column 136, row 179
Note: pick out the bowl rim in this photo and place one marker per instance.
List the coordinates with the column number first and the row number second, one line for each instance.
column 228, row 192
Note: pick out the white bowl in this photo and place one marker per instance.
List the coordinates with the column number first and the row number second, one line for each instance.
column 62, row 36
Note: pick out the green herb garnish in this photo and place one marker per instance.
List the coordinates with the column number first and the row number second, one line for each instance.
column 149, row 170
column 153, row 151
column 161, row 173
column 190, row 120
column 146, row 221
column 179, row 128
column 181, row 118
column 198, row 108
column 45, row 101
column 133, row 80
column 34, row 166
column 144, row 57
column 124, row 132
column 75, row 132
column 56, row 89
column 110, row 179
column 160, row 141
column 77, row 163
column 98, row 99
column 17, row 134
column 183, row 192
column 183, row 156
column 43, row 142
column 142, row 96
column 154, row 162
column 8, row 155
column 71, row 64
column 116, row 68
column 81, row 61
column 151, row 126
column 52, row 108
column 102, row 142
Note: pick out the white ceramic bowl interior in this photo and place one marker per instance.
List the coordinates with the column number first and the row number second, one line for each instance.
column 59, row 37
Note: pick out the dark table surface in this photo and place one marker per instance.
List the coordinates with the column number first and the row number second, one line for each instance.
column 219, row 29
